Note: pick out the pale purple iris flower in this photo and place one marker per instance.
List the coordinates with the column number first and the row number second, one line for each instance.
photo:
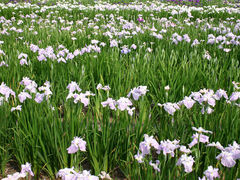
column 105, row 88
column 170, row 107
column 123, row 103
column 155, row 165
column 228, row 155
column 236, row 85
column 195, row 42
column 130, row 110
column 26, row 168
column 71, row 174
column 113, row 43
column 221, row 93
column 41, row 57
column 198, row 138
column 99, row 86
column 151, row 141
column 17, row 108
column 211, row 173
column 235, row 96
column 184, row 149
column 104, row 176
column 85, row 175
column 81, row 98
column 188, row 102
column 137, row 92
column 23, row 62
column 30, row 85
column 3, row 63
column 26, row 81
column 46, row 94
column 46, row 89
column 70, row 56
column 234, row 149
column 23, row 96
column 208, row 97
column 133, row 46
column 76, row 52
column 208, row 110
column 168, row 147
column 226, row 159
column 201, row 130
column 196, row 96
column 61, row 59
column 217, row 145
column 34, row 48
column 187, row 162
column 39, row 97
column 6, row 91
column 15, row 176
column 145, row 146
column 76, row 145
column 186, row 38
column 110, row 102
column 66, row 173
column 22, row 55
column 139, row 157
column 125, row 50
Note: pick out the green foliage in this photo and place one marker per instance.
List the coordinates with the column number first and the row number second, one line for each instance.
column 41, row 136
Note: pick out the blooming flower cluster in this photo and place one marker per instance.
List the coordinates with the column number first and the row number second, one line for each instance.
column 121, row 104
column 30, row 86
column 5, row 93
column 25, row 171
column 137, row 92
column 211, row 173
column 199, row 137
column 82, row 97
column 105, row 88
column 62, row 54
column 125, row 103
column 117, row 28
column 23, row 58
column 70, row 174
column 227, row 157
column 30, row 89
column 206, row 98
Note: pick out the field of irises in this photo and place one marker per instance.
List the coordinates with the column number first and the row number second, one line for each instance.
column 120, row 90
